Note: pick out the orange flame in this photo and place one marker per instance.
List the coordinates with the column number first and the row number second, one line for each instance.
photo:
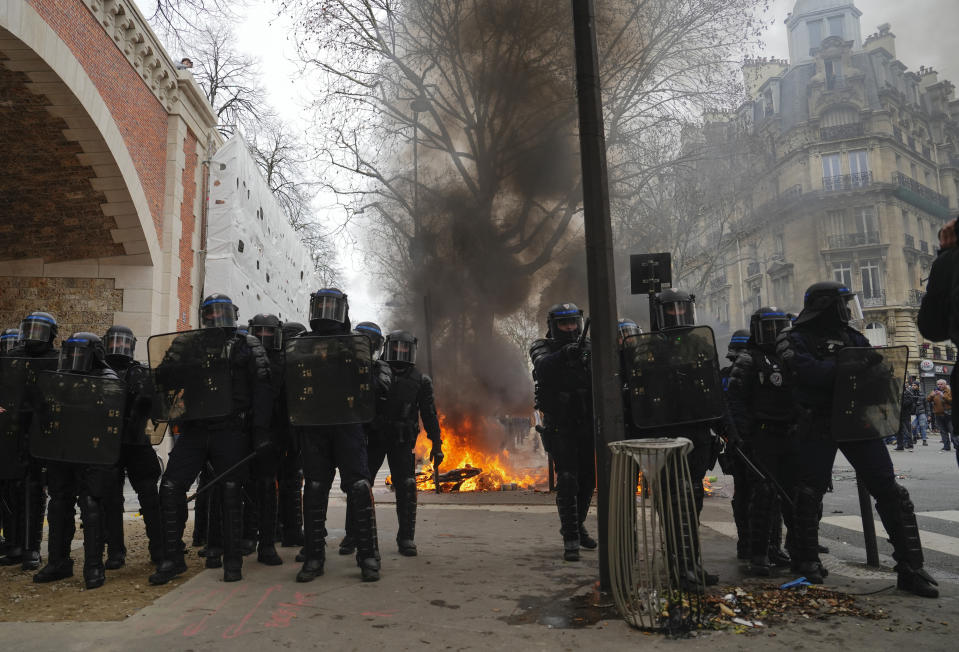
column 499, row 468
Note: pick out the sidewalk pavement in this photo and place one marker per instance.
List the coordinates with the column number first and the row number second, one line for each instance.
column 489, row 576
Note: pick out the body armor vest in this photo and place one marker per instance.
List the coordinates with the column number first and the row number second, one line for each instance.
column 401, row 404
column 772, row 399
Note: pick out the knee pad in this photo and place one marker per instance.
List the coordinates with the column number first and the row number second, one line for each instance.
column 409, row 485
column 361, row 486
column 895, row 494
column 168, row 486
column 315, row 486
column 88, row 504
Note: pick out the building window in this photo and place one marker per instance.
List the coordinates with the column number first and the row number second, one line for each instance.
column 835, row 26
column 876, row 333
column 783, row 294
column 871, row 284
column 859, row 167
column 865, row 220
column 834, row 77
column 815, row 33
column 842, row 273
column 831, row 175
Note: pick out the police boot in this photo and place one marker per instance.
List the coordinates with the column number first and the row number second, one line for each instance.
column 777, row 555
column 406, row 516
column 150, row 510
column 93, row 570
column 59, row 535
column 14, row 524
column 899, row 518
column 316, row 497
column 248, row 527
column 266, row 501
column 806, row 521
column 348, row 542
column 212, row 553
column 232, row 531
column 582, row 508
column 113, row 529
column 171, row 498
column 35, row 509
column 760, row 509
column 291, row 509
column 568, row 516
column 367, row 546
column 201, row 515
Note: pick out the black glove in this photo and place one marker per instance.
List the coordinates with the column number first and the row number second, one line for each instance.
column 436, row 453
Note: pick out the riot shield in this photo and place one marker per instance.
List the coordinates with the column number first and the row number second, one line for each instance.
column 17, row 379
column 79, row 418
column 329, row 380
column 191, row 375
column 867, row 396
column 673, row 377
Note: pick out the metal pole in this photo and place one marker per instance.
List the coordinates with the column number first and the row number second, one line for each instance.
column 607, row 402
column 868, row 525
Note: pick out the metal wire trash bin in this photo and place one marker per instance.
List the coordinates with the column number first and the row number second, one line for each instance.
column 655, row 565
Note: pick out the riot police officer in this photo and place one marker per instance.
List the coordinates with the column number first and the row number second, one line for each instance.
column 70, row 483
column 409, row 400
column 138, row 460
column 742, row 478
column 563, row 392
column 8, row 339
column 762, row 409
column 809, row 351
column 343, row 447
column 672, row 310
column 269, row 330
column 224, row 441
column 290, row 474
column 26, row 498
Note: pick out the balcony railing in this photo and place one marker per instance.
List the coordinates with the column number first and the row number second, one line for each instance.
column 853, row 130
column 923, row 191
column 875, row 299
column 836, row 82
column 717, row 282
column 910, row 241
column 847, row 181
column 752, row 269
column 924, row 246
column 897, row 133
column 843, row 240
column 792, row 192
column 915, row 297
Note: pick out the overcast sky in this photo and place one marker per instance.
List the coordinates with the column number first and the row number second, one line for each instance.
column 925, row 35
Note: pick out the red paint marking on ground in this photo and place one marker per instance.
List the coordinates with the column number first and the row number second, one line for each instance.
column 236, row 630
column 200, row 626
column 166, row 629
column 285, row 612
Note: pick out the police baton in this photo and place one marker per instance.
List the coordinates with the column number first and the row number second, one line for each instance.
column 220, row 477
column 765, row 476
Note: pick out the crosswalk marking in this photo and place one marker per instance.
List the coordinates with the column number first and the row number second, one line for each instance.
column 944, row 515
column 930, row 540
column 726, row 528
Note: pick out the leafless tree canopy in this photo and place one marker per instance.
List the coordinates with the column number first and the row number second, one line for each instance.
column 482, row 94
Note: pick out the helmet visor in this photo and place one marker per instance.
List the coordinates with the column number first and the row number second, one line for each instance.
column 329, row 307
column 270, row 336
column 76, row 355
column 8, row 341
column 566, row 326
column 626, row 331
column 121, row 344
column 400, row 351
column 770, row 325
column 218, row 313
column 850, row 311
column 678, row 313
column 36, row 328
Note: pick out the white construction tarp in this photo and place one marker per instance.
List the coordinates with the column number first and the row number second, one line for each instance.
column 253, row 254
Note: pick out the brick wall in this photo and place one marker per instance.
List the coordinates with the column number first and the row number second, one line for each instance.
column 49, row 208
column 78, row 304
column 188, row 221
column 141, row 118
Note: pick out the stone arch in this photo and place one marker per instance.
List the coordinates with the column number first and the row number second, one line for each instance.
column 34, row 56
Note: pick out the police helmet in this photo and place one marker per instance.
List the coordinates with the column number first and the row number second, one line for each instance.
column 328, row 306
column 8, row 339
column 39, row 328
column 291, row 329
column 626, row 328
column 766, row 324
column 268, row 329
column 218, row 311
column 119, row 344
column 564, row 321
column 400, row 348
column 674, row 309
column 82, row 352
column 372, row 331
column 832, row 301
